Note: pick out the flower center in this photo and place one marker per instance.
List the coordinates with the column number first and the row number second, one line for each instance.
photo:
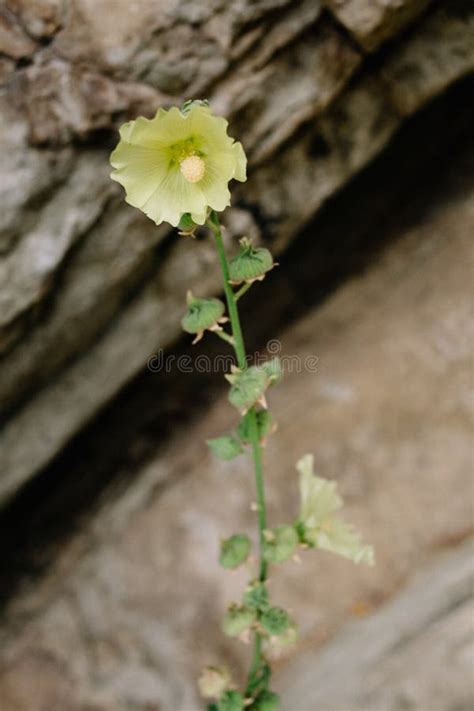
column 192, row 168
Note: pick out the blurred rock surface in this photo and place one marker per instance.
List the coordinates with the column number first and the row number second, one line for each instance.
column 84, row 297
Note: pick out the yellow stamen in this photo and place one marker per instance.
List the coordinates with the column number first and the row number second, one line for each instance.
column 193, row 169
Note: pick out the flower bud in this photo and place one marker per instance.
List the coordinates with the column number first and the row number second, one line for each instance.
column 213, row 682
column 234, row 551
column 186, row 225
column 190, row 103
column 248, row 387
column 280, row 544
column 275, row 621
column 202, row 315
column 251, row 264
column 238, row 619
column 266, row 701
column 256, row 596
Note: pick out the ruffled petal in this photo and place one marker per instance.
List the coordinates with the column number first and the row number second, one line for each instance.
column 219, row 170
column 173, row 197
column 139, row 169
column 341, row 538
column 319, row 498
column 240, row 172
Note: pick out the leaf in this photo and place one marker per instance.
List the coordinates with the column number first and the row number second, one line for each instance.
column 226, row 447
column 234, row 551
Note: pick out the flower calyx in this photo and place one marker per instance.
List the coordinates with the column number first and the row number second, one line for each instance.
column 280, row 544
column 234, row 550
column 248, row 387
column 203, row 314
column 238, row 620
column 251, row 264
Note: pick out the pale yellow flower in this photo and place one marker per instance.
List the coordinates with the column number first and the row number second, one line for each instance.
column 320, row 527
column 178, row 162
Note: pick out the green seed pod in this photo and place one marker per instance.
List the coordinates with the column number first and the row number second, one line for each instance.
column 202, row 314
column 234, row 551
column 238, row 619
column 275, row 621
column 280, row 544
column 266, row 701
column 248, row 387
column 256, row 597
column 226, row 447
column 265, row 424
column 231, row 701
column 252, row 263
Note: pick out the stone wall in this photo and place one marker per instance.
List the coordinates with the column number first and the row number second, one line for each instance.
column 89, row 288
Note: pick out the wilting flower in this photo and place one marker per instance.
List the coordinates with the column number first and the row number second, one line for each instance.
column 178, row 162
column 318, row 524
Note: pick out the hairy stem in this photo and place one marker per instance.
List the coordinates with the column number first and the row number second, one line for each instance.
column 239, row 347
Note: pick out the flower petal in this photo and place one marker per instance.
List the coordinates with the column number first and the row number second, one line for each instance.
column 339, row 537
column 241, row 162
column 139, row 170
column 173, row 197
column 319, row 499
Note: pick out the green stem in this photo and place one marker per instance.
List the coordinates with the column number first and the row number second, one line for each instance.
column 225, row 337
column 239, row 346
column 243, row 290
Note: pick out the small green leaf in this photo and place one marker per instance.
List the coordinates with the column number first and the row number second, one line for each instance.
column 226, row 447
column 275, row 621
column 234, row 551
column 280, row 544
column 231, row 701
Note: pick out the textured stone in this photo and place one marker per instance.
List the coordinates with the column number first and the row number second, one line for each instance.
column 398, row 659
column 62, row 101
column 375, row 21
column 40, row 18
column 427, row 63
column 14, row 42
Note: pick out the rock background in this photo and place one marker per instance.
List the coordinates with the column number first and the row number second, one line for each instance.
column 99, row 496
